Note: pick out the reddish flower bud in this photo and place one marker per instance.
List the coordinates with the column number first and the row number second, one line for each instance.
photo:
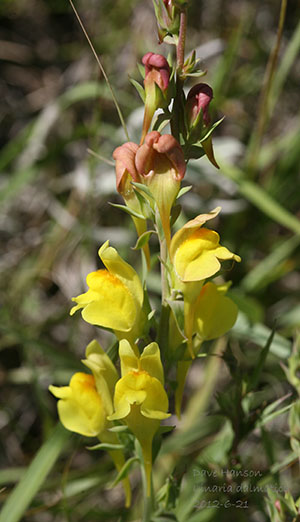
column 157, row 70
column 157, row 151
column 125, row 165
column 125, row 173
column 199, row 99
column 160, row 161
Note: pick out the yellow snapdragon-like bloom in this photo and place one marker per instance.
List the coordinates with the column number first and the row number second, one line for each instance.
column 195, row 251
column 80, row 407
column 213, row 314
column 115, row 297
column 85, row 404
column 140, row 399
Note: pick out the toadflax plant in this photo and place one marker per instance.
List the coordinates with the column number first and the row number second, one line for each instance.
column 125, row 410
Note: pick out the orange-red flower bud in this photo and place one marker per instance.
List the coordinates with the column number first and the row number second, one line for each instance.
column 199, row 98
column 126, row 172
column 125, row 165
column 159, row 154
column 157, row 70
column 160, row 161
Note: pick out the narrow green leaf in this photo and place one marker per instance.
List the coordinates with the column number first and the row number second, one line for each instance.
column 119, row 429
column 196, row 74
column 11, row 475
column 143, row 188
column 105, row 446
column 141, row 69
column 139, row 89
column 175, row 213
column 143, row 239
column 211, row 130
column 260, row 275
column 271, row 407
column 127, row 210
column 14, row 147
column 21, row 497
column 272, row 416
column 285, row 65
column 254, row 378
column 292, row 457
column 184, row 190
column 261, row 199
column 177, row 308
column 124, row 471
column 259, row 334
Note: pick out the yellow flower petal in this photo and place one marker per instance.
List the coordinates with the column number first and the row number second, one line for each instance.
column 123, row 271
column 81, row 409
column 215, row 313
column 114, row 298
column 183, row 233
column 139, row 388
column 141, row 401
column 197, row 258
column 108, row 303
column 104, row 372
column 194, row 259
column 129, row 357
column 195, row 251
column 149, row 360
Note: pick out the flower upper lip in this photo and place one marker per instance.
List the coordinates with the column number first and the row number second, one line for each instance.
column 158, row 64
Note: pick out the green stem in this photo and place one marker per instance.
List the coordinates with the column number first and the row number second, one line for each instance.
column 146, row 483
column 164, row 282
column 163, row 329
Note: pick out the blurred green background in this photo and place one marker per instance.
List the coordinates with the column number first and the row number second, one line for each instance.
column 54, row 210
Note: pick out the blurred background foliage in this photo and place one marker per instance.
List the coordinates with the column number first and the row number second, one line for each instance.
column 55, row 214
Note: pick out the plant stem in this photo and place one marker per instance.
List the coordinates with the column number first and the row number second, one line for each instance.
column 147, row 499
column 180, row 49
column 164, row 282
column 163, row 329
column 181, row 39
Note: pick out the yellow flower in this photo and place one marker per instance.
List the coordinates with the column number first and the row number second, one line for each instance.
column 84, row 405
column 140, row 399
column 195, row 251
column 115, row 296
column 212, row 315
column 104, row 372
column 80, row 407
